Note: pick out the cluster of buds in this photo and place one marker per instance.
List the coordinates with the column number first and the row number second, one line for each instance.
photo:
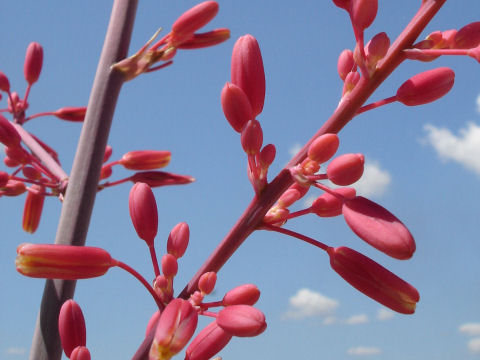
column 182, row 36
column 242, row 101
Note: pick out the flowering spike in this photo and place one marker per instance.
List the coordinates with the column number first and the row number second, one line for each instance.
column 468, row 37
column 374, row 280
column 161, row 178
column 143, row 212
column 202, row 40
column 145, row 159
column 207, row 281
column 241, row 320
column 32, row 210
column 346, row 169
column 345, row 63
column 4, row 83
column 51, row 261
column 71, row 327
column 194, row 18
column 378, row 227
column 426, row 87
column 247, row 294
column 8, row 134
column 328, row 205
column 247, row 71
column 323, row 148
column 169, row 265
column 80, row 353
column 71, row 113
column 177, row 242
column 175, row 328
column 252, row 137
column 207, row 343
column 236, row 106
column 33, row 62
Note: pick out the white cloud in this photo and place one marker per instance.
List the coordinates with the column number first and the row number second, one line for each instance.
column 464, row 148
column 308, row 303
column 471, row 329
column 357, row 319
column 363, row 350
column 374, row 181
column 385, row 314
column 474, row 345
column 329, row 320
column 15, row 351
column 478, row 103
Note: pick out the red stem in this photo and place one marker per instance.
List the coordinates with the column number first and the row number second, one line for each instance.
column 295, row 235
column 377, row 104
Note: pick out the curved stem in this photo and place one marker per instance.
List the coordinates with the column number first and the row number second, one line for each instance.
column 295, row 235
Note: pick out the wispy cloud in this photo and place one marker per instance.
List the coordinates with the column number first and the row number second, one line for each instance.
column 308, row 303
column 471, row 329
column 385, row 314
column 15, row 351
column 463, row 148
column 364, row 350
column 357, row 319
column 294, row 149
column 374, row 181
column 478, row 103
column 474, row 345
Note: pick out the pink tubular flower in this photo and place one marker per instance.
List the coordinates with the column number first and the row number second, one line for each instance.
column 426, row 87
column 145, row 159
column 328, row 205
column 346, row 169
column 207, row 343
column 71, row 327
column 175, row 328
column 65, row 262
column 247, row 294
column 33, row 62
column 247, row 71
column 32, row 211
column 241, row 320
column 207, row 281
column 80, row 353
column 177, row 242
column 71, row 113
column 194, row 18
column 161, row 178
column 378, row 227
column 143, row 212
column 374, row 280
column 323, row 148
column 236, row 106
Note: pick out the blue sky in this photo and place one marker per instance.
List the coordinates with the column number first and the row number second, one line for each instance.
column 423, row 164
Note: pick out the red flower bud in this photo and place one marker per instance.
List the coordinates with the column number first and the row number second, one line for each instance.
column 267, row 155
column 18, row 154
column 71, row 327
column 252, row 137
column 426, row 87
column 288, row 198
column 363, row 12
column 346, row 169
column 8, row 134
column 247, row 71
column 328, row 205
column 378, row 227
column 152, row 322
column 207, row 281
column 247, row 294
column 323, row 148
column 13, row 188
column 143, row 212
column 33, row 62
column 195, row 18
column 3, row 178
column 345, row 63
column 105, row 172
column 80, row 353
column 343, row 4
column 178, row 240
column 207, row 343
column 468, row 37
column 161, row 178
column 31, row 173
column 145, row 159
column 71, row 113
column 376, row 49
column 352, row 79
column 241, row 320
column 169, row 265
column 65, row 262
column 32, row 211
column 107, row 154
column 236, row 106
column 202, row 40
column 175, row 328
column 374, row 280
column 4, row 83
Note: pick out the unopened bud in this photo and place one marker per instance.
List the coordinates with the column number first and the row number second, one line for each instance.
column 71, row 327
column 323, row 148
column 252, row 137
column 345, row 63
column 80, row 353
column 426, row 87
column 328, row 205
column 376, row 49
column 195, row 18
column 207, row 281
column 13, row 188
column 3, row 178
column 169, row 265
column 8, row 134
column 71, row 113
column 207, row 343
column 247, row 294
column 468, row 37
column 143, row 212
column 31, row 173
column 247, row 71
column 346, row 169
column 241, row 320
column 352, row 79
column 267, row 155
column 177, row 242
column 18, row 154
column 33, row 62
column 236, row 106
column 288, row 198
column 161, row 178
column 105, row 172
column 145, row 159
column 363, row 12
column 4, row 83
column 107, row 154
column 32, row 211
column 202, row 40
